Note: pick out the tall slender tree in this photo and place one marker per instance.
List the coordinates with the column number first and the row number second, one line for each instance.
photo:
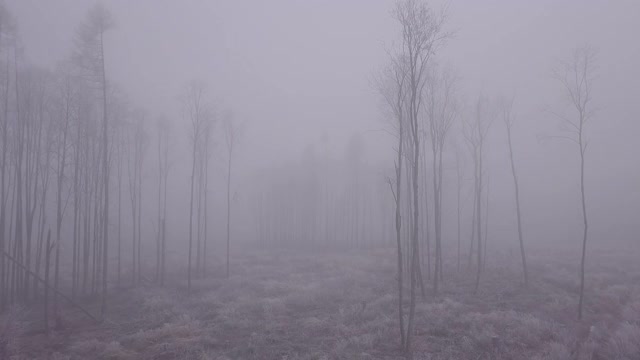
column 90, row 47
column 232, row 133
column 441, row 108
column 576, row 78
column 392, row 86
column 508, row 118
column 422, row 34
column 198, row 112
column 476, row 130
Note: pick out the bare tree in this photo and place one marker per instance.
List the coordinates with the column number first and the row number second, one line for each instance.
column 164, row 132
column 392, row 86
column 232, row 133
column 506, row 107
column 441, row 108
column 198, row 112
column 459, row 176
column 136, row 148
column 91, row 51
column 49, row 248
column 6, row 32
column 576, row 77
column 422, row 34
column 475, row 133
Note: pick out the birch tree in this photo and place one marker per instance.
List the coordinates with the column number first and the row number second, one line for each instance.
column 422, row 35
column 576, row 77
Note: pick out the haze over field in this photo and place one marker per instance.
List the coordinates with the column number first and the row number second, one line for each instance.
column 230, row 167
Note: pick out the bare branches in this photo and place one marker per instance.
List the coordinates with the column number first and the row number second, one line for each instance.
column 505, row 106
column 392, row 86
column 422, row 35
column 576, row 77
column 442, row 104
column 89, row 51
column 197, row 109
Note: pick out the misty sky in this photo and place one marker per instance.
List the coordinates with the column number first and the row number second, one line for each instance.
column 296, row 69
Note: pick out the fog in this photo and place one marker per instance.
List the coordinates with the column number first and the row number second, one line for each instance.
column 247, row 136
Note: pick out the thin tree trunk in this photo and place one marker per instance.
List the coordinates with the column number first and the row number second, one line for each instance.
column 105, row 173
column 3, row 194
column 228, row 209
column 164, row 214
column 518, row 214
column 46, row 282
column 159, row 229
column 119, row 214
column 193, row 175
column 479, row 217
column 139, row 254
column 458, row 205
column 436, row 214
column 398, row 200
column 206, row 202
column 585, row 222
column 486, row 228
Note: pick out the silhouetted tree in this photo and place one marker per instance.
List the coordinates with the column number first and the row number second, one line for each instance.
column 197, row 111
column 422, row 34
column 576, row 77
column 232, row 133
column 508, row 117
column 91, row 55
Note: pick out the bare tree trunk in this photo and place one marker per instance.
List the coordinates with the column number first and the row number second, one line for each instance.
column 193, row 176
column 199, row 219
column 459, row 187
column 17, row 272
column 119, row 213
column 398, row 199
column 134, row 215
column 3, row 191
column 518, row 215
column 439, row 245
column 228, row 209
column 76, row 216
column 473, row 221
column 436, row 215
column 164, row 212
column 159, row 228
column 163, row 251
column 427, row 218
column 486, row 227
column 49, row 247
column 139, row 253
column 479, row 216
column 576, row 79
column 206, row 203
column 585, row 223
column 414, row 234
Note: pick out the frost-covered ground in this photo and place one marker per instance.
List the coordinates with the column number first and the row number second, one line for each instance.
column 295, row 306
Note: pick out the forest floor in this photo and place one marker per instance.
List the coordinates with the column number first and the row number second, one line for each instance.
column 344, row 306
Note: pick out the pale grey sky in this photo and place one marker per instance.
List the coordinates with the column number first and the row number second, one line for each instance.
column 294, row 69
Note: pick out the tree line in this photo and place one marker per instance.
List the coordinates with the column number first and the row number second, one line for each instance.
column 74, row 166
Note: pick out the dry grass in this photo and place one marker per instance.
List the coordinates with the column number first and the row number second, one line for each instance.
column 295, row 306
